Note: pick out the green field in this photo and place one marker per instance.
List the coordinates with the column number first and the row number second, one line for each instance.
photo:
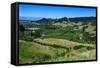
column 56, row 42
column 34, row 52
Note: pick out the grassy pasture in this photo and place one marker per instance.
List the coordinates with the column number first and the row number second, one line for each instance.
column 34, row 52
column 57, row 42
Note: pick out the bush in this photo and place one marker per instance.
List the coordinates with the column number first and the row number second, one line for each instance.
column 29, row 38
column 37, row 34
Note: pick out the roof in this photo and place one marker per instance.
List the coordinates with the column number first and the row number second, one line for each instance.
column 32, row 28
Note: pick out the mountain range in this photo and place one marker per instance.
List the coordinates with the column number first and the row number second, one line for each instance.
column 49, row 20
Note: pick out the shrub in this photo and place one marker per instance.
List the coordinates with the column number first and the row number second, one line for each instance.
column 28, row 38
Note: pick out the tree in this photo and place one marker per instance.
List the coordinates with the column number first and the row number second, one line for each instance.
column 84, row 27
column 37, row 33
column 21, row 28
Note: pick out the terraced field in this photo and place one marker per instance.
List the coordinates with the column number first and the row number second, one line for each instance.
column 54, row 50
column 62, row 43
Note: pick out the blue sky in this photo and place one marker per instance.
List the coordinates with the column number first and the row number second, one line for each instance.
column 54, row 11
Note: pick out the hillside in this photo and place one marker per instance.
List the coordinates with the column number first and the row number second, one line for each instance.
column 36, row 52
column 55, row 40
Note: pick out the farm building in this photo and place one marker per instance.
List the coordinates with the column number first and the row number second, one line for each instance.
column 30, row 31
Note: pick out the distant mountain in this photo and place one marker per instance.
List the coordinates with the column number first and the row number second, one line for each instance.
column 45, row 20
column 30, row 18
column 83, row 19
column 60, row 20
column 76, row 19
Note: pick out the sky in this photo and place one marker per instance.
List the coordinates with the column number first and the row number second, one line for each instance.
column 54, row 11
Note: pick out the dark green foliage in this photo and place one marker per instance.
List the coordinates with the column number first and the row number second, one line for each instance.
column 41, row 57
column 21, row 28
column 84, row 27
column 88, row 37
column 83, row 19
column 51, row 27
column 37, row 34
column 29, row 38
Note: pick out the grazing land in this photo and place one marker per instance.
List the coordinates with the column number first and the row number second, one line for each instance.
column 57, row 40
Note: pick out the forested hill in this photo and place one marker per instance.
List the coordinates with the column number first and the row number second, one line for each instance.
column 83, row 19
column 75, row 19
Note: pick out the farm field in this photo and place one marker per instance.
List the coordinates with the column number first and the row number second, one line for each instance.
column 36, row 52
column 56, row 34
